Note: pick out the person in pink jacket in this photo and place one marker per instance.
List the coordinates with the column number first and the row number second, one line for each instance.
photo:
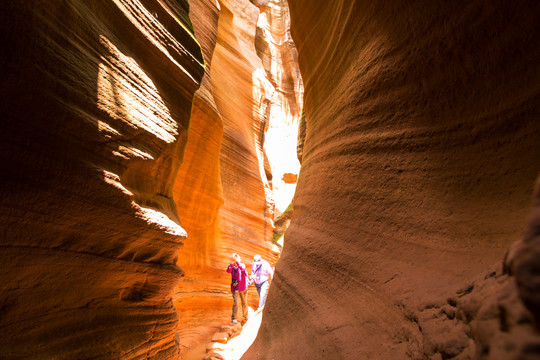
column 239, row 285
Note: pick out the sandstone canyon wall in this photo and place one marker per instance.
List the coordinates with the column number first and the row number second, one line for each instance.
column 420, row 156
column 101, row 164
column 96, row 101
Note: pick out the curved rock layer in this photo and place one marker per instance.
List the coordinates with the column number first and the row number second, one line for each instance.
column 420, row 155
column 96, row 105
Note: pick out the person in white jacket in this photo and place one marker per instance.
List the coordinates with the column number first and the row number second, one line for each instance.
column 261, row 272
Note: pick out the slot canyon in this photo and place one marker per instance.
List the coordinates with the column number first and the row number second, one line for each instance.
column 383, row 155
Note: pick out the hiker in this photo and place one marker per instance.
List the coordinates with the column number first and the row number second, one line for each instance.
column 239, row 285
column 260, row 272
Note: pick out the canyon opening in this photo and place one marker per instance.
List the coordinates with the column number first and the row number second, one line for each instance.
column 386, row 152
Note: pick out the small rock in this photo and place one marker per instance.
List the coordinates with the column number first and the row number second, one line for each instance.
column 220, row 337
column 213, row 356
column 289, row 178
column 237, row 330
column 227, row 329
column 214, row 346
column 237, row 327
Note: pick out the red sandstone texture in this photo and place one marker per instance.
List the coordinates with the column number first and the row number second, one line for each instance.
column 96, row 101
column 420, row 156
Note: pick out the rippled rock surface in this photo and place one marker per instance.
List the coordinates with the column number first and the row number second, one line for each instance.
column 420, row 156
column 96, row 105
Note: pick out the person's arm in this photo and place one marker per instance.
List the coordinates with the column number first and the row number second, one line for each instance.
column 229, row 269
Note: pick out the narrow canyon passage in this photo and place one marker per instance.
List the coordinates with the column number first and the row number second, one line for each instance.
column 144, row 141
column 240, row 163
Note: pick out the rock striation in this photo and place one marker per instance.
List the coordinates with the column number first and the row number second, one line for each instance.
column 96, row 101
column 418, row 160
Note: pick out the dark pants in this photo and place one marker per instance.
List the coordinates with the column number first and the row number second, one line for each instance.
column 243, row 299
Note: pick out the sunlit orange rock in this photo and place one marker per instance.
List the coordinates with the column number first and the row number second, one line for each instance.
column 239, row 85
column 198, row 195
column 96, row 104
column 289, row 178
column 420, row 155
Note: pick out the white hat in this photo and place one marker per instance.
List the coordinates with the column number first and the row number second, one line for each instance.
column 257, row 258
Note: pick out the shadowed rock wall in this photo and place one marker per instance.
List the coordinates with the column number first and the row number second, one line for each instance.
column 420, row 156
column 96, row 101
